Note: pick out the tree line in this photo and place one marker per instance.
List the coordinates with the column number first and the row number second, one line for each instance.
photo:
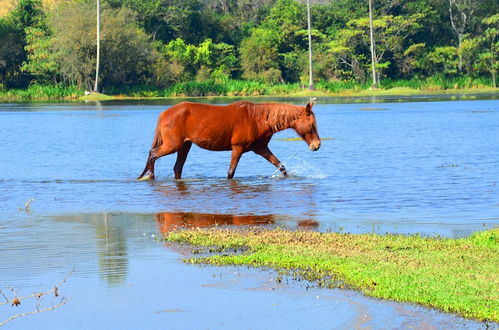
column 161, row 43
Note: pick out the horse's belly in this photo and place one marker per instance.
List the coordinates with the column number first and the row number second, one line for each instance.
column 213, row 145
column 212, row 134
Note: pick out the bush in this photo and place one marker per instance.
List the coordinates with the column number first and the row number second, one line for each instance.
column 41, row 92
column 196, row 88
column 337, row 86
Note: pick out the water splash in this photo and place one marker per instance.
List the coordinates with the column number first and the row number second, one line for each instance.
column 299, row 168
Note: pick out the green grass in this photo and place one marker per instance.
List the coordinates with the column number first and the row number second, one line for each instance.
column 342, row 86
column 243, row 88
column 229, row 88
column 391, row 91
column 40, row 93
column 454, row 275
column 96, row 97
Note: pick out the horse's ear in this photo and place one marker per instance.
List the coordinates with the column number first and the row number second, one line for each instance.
column 308, row 108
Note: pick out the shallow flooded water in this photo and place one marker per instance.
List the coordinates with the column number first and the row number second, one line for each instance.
column 70, row 208
column 425, row 167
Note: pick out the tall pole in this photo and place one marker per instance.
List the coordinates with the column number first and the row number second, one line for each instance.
column 96, row 86
column 373, row 46
column 310, row 72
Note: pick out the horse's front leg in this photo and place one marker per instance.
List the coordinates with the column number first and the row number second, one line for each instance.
column 236, row 155
column 268, row 155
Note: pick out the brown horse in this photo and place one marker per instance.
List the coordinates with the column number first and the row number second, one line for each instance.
column 240, row 127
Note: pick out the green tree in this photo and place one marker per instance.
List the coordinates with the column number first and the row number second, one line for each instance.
column 287, row 19
column 41, row 63
column 414, row 60
column 166, row 20
column 390, row 34
column 73, row 45
column 184, row 62
column 326, row 66
column 468, row 54
column 180, row 57
column 11, row 54
column 333, row 16
column 26, row 14
column 351, row 45
column 444, row 60
column 349, row 53
column 460, row 14
column 126, row 53
column 225, row 61
column 259, row 56
column 162, row 42
column 253, row 11
column 488, row 60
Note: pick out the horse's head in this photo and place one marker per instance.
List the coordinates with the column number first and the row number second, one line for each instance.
column 306, row 127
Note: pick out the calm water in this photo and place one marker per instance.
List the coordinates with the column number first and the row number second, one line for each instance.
column 70, row 207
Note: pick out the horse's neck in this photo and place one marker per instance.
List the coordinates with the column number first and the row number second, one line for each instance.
column 277, row 117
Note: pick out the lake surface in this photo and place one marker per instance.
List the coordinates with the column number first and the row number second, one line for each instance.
column 70, row 208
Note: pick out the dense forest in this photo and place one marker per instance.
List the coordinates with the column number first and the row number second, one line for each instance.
column 160, row 44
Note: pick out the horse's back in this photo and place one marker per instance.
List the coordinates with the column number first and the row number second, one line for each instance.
column 203, row 110
column 209, row 126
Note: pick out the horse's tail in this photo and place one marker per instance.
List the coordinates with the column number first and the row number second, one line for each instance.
column 156, row 143
column 158, row 139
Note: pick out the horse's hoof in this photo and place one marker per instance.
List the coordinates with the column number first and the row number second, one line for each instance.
column 144, row 178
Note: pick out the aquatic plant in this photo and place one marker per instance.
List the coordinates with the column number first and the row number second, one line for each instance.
column 453, row 275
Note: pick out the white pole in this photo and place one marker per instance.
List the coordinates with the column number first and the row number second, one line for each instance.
column 310, row 72
column 373, row 46
column 96, row 86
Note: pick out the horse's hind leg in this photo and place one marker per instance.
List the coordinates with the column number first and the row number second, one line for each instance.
column 149, row 166
column 154, row 155
column 165, row 149
column 181, row 157
column 268, row 155
column 145, row 168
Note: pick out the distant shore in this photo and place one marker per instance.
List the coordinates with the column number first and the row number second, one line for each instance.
column 402, row 91
column 54, row 93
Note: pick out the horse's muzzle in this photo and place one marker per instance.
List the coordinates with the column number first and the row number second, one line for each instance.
column 314, row 146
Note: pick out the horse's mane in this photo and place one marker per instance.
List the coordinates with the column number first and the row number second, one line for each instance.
column 278, row 116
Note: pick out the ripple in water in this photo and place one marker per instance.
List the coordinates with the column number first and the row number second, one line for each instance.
column 297, row 167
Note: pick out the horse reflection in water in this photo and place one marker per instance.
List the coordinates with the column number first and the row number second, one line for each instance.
column 169, row 221
column 241, row 127
column 308, row 225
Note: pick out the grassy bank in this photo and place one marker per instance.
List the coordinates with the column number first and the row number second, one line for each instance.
column 243, row 88
column 453, row 275
column 41, row 93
